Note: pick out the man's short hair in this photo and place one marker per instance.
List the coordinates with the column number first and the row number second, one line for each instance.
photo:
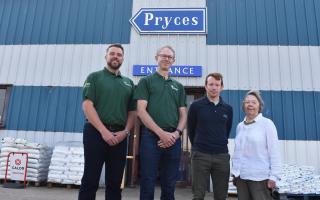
column 216, row 76
column 168, row 47
column 115, row 45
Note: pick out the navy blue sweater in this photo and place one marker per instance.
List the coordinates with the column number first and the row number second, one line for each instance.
column 209, row 126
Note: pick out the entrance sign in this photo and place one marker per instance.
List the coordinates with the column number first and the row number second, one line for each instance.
column 175, row 70
column 170, row 21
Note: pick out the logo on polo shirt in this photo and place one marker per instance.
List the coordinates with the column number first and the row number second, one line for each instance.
column 86, row 84
column 174, row 88
column 127, row 84
column 225, row 116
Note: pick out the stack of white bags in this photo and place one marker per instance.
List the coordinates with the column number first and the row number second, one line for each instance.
column 295, row 179
column 67, row 163
column 39, row 156
column 299, row 180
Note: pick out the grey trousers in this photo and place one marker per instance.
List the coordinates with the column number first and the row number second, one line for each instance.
column 252, row 190
column 204, row 165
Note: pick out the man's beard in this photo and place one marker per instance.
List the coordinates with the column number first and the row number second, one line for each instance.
column 114, row 66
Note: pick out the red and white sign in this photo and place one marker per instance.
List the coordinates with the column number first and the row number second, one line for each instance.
column 18, row 166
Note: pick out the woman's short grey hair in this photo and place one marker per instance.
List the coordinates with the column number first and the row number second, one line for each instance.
column 255, row 93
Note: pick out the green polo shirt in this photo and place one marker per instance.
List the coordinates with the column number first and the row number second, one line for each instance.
column 112, row 96
column 164, row 97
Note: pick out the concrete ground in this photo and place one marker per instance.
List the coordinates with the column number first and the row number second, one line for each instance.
column 61, row 193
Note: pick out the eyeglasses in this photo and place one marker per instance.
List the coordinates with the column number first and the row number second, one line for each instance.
column 163, row 56
column 251, row 102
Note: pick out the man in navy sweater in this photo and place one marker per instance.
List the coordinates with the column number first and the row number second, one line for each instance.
column 209, row 125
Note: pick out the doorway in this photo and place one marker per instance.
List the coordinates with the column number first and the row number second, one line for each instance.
column 132, row 175
column 192, row 93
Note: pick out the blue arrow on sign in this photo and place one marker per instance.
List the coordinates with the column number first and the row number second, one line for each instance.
column 170, row 21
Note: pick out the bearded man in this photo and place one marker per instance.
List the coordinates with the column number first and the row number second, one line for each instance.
column 110, row 112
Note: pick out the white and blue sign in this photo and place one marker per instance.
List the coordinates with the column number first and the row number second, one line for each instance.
column 175, row 70
column 170, row 21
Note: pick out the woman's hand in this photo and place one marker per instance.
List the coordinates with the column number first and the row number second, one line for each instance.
column 234, row 180
column 271, row 184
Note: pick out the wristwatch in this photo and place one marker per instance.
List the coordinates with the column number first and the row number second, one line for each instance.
column 127, row 132
column 179, row 131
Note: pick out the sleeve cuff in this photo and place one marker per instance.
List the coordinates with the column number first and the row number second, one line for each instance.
column 274, row 178
column 235, row 173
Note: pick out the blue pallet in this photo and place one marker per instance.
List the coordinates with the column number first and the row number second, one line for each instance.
column 299, row 196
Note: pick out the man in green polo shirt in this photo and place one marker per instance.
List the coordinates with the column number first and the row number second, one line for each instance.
column 109, row 109
column 161, row 106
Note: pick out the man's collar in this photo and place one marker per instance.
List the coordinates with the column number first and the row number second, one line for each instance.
column 111, row 73
column 208, row 100
column 160, row 76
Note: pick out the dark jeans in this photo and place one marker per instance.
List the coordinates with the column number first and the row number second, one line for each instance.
column 152, row 158
column 204, row 165
column 96, row 153
column 252, row 190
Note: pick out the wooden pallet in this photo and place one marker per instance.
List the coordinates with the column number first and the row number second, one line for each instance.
column 299, row 196
column 291, row 196
column 61, row 185
column 28, row 183
column 9, row 181
column 36, row 183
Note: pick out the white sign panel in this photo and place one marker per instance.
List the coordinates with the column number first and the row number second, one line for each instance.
column 18, row 166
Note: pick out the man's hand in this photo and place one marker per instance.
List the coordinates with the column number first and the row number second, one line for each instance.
column 120, row 135
column 110, row 138
column 167, row 139
column 176, row 135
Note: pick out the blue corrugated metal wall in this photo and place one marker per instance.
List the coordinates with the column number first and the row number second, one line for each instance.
column 263, row 22
column 38, row 108
column 54, row 109
column 65, row 21
column 256, row 22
